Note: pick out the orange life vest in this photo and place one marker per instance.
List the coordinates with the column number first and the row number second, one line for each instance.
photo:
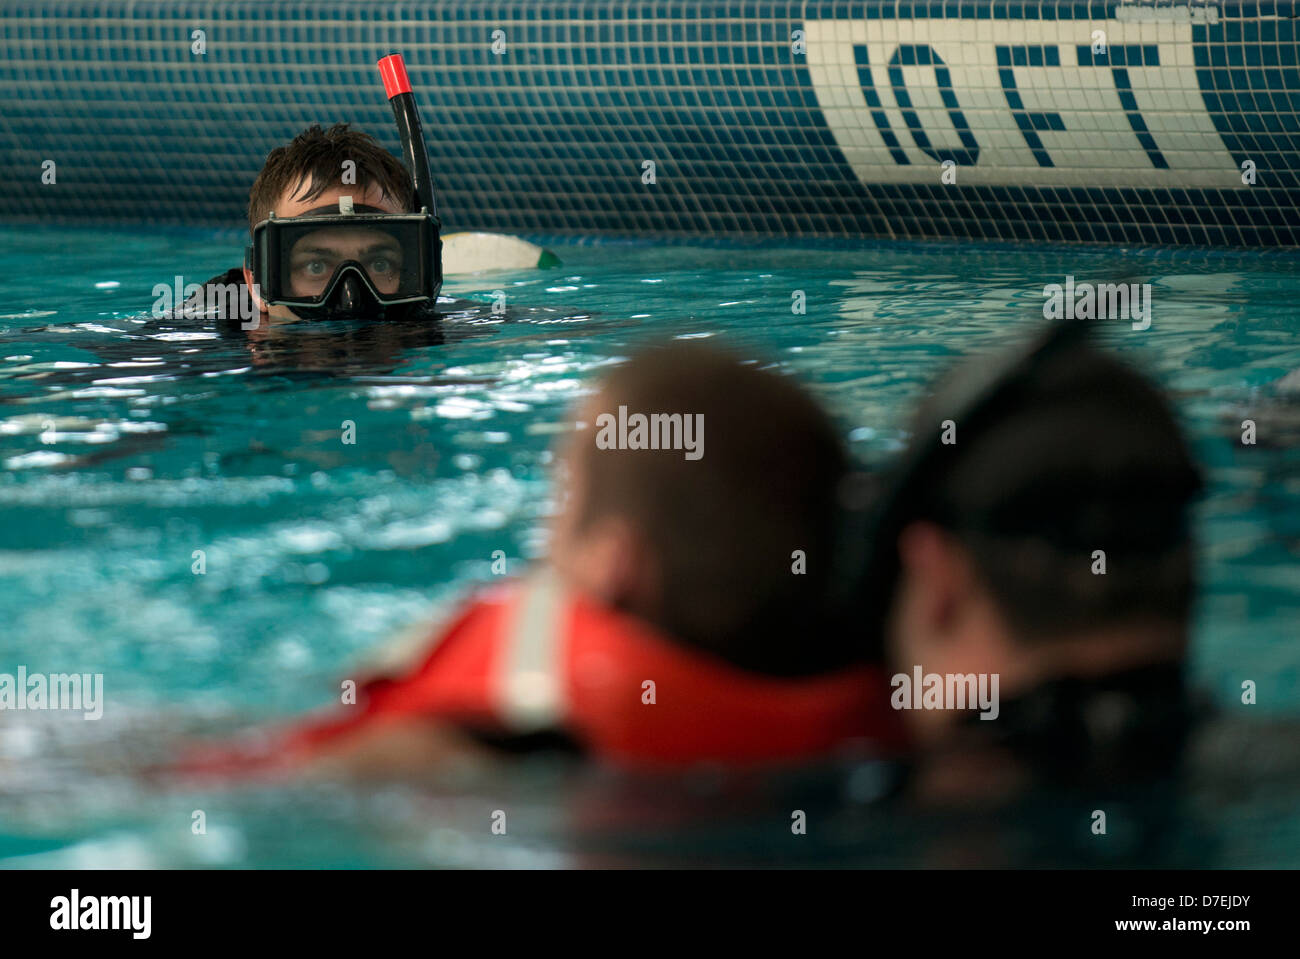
column 529, row 657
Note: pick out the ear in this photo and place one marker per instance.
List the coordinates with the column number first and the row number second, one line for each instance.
column 937, row 570
column 620, row 569
column 248, row 282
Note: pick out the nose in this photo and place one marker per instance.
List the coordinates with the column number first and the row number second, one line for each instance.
column 350, row 293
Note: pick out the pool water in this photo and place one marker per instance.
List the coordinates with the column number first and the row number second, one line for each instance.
column 133, row 454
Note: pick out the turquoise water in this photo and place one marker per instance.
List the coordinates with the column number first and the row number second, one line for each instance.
column 126, row 449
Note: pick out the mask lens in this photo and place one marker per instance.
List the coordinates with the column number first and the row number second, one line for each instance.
column 309, row 255
column 313, row 258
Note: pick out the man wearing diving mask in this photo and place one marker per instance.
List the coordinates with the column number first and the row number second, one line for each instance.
column 345, row 262
column 339, row 229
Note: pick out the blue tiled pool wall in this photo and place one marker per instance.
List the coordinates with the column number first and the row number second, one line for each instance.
column 761, row 118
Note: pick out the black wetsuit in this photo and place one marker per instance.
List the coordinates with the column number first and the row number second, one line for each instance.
column 234, row 276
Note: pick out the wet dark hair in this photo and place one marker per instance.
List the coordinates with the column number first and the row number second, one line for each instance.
column 724, row 528
column 1082, row 453
column 316, row 156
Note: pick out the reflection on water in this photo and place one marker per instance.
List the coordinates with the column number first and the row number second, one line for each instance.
column 130, row 445
column 1235, row 806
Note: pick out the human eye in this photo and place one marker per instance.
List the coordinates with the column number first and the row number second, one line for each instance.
column 311, row 266
column 385, row 265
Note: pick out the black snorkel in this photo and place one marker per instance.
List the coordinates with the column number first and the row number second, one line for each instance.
column 415, row 153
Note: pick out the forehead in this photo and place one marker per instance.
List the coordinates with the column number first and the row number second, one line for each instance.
column 339, row 238
column 291, row 203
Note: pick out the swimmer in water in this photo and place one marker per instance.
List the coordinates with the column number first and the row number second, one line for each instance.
column 692, row 551
column 1037, row 533
column 338, row 229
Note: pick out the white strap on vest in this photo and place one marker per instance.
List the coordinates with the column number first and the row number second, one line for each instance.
column 530, row 682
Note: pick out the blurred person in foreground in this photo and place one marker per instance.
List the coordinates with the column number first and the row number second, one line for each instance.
column 1036, row 537
column 682, row 617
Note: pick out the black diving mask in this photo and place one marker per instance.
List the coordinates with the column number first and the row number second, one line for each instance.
column 361, row 264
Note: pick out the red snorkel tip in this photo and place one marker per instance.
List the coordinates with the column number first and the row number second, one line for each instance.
column 392, row 69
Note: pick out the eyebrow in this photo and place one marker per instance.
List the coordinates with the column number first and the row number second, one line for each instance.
column 327, row 251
